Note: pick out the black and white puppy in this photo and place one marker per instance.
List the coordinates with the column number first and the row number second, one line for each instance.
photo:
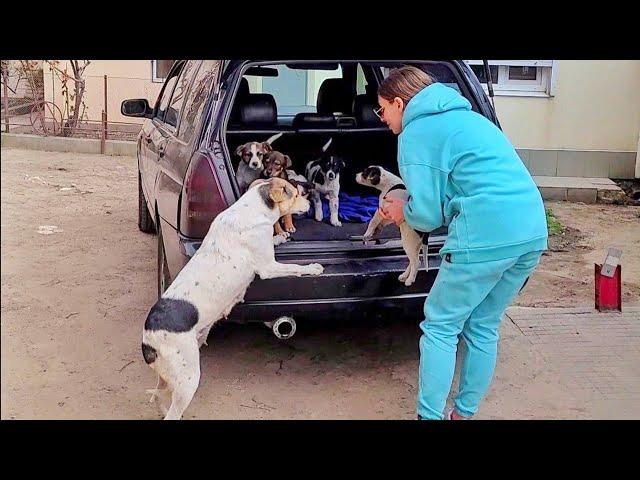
column 390, row 184
column 324, row 175
column 251, row 161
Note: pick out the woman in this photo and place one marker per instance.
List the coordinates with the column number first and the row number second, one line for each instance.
column 461, row 171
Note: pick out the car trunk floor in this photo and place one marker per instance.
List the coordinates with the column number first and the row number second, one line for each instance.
column 307, row 229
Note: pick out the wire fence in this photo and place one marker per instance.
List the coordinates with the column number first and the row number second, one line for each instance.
column 35, row 100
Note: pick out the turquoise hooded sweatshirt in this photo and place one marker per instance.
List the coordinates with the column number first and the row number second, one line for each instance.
column 462, row 172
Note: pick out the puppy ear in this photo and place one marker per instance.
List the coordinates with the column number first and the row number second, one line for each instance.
column 288, row 162
column 267, row 147
column 239, row 150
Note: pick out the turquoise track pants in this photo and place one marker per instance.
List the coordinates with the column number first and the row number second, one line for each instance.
column 468, row 299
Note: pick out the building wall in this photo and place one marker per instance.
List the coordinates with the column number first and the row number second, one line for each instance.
column 590, row 127
column 125, row 79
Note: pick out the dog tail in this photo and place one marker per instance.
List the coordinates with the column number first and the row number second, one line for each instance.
column 273, row 138
column 149, row 353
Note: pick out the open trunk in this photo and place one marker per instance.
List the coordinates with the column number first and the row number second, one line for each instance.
column 359, row 150
column 311, row 103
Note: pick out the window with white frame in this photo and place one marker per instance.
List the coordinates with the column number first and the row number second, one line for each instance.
column 532, row 78
column 160, row 70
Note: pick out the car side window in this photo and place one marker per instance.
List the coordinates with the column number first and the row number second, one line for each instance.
column 167, row 91
column 196, row 98
column 180, row 92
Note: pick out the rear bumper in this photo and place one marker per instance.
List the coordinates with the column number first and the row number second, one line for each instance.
column 349, row 286
column 341, row 308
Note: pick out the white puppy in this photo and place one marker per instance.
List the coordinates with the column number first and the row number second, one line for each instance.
column 388, row 183
column 238, row 246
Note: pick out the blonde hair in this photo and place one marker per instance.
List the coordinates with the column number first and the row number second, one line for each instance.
column 404, row 83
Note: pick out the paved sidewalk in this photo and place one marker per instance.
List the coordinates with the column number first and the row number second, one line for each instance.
column 594, row 356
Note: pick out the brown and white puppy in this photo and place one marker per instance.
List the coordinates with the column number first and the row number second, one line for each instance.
column 390, row 184
column 251, row 161
column 237, row 247
column 275, row 166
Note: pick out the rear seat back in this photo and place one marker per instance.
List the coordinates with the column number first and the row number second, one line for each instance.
column 363, row 107
column 258, row 110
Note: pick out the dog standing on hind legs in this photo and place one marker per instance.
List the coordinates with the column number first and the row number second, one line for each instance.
column 238, row 246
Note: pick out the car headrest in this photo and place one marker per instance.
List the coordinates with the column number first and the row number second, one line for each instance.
column 258, row 109
column 363, row 107
column 243, row 89
column 334, row 96
column 241, row 96
column 313, row 120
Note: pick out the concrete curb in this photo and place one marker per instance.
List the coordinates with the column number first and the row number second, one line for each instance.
column 66, row 144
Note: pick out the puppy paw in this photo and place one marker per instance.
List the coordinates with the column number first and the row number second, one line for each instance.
column 314, row 269
column 403, row 276
column 291, row 229
column 409, row 282
column 367, row 236
column 336, row 223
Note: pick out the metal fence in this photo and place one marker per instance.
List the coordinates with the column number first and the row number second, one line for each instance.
column 36, row 101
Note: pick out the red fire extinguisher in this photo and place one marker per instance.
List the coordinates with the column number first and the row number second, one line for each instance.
column 608, row 282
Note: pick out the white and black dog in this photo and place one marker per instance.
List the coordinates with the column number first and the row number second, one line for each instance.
column 237, row 247
column 412, row 241
column 324, row 175
column 251, row 161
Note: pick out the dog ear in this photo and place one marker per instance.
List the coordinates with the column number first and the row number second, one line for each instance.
column 267, row 147
column 280, row 191
column 239, row 150
column 288, row 162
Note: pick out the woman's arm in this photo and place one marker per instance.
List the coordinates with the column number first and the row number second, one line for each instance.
column 426, row 185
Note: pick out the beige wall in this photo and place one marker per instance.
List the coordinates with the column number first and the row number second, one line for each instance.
column 596, row 104
column 596, row 107
column 126, row 79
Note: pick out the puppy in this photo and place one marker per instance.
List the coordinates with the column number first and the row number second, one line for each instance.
column 388, row 183
column 275, row 166
column 251, row 161
column 324, row 175
column 237, row 247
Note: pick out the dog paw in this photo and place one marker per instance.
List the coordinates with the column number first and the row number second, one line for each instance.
column 403, row 276
column 409, row 282
column 336, row 223
column 367, row 237
column 280, row 239
column 315, row 269
column 291, row 229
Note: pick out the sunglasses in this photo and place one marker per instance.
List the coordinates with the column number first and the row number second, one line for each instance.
column 379, row 112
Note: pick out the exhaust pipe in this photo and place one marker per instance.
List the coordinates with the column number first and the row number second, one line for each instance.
column 283, row 328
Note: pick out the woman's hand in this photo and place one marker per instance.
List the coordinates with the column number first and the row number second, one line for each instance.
column 392, row 209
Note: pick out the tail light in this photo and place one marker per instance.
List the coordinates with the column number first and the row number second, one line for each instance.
column 202, row 198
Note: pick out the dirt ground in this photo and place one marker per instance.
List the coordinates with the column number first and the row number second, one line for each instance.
column 565, row 275
column 74, row 298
